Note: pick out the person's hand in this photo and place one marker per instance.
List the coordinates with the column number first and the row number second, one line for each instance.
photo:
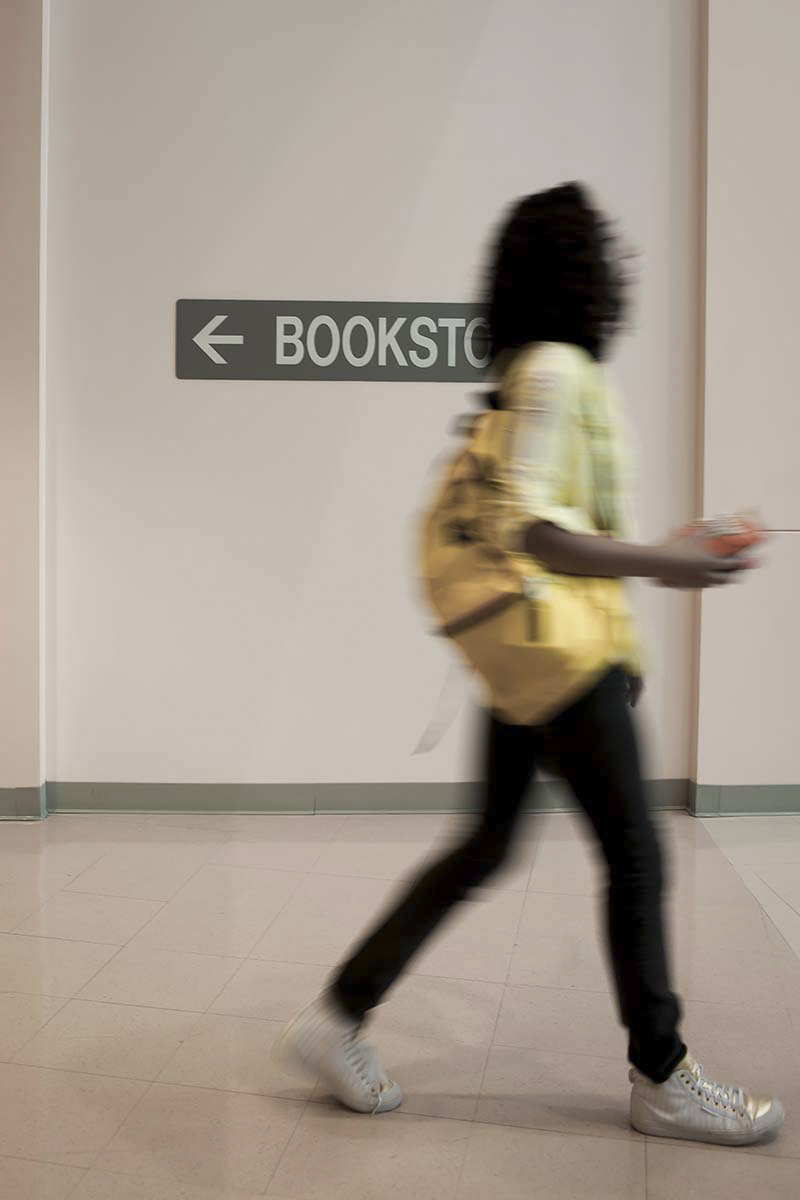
column 685, row 562
column 635, row 689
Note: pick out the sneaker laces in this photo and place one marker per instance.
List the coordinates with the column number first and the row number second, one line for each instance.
column 365, row 1063
column 722, row 1094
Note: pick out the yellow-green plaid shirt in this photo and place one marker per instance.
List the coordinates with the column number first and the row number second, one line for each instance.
column 567, row 459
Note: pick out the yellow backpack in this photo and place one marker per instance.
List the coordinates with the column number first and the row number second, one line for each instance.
column 536, row 638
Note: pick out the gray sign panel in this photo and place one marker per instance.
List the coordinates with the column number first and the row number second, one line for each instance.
column 337, row 339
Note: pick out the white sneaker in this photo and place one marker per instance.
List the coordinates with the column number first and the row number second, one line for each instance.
column 688, row 1105
column 322, row 1041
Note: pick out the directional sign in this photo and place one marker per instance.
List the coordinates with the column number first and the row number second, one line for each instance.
column 337, row 339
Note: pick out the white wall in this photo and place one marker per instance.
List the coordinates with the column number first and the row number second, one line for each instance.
column 750, row 647
column 228, row 573
column 20, row 141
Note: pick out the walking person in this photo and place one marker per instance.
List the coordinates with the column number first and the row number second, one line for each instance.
column 541, row 553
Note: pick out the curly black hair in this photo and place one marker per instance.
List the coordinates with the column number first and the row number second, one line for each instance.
column 555, row 275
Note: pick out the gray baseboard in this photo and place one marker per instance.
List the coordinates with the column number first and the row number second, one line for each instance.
column 710, row 800
column 550, row 795
column 23, row 804
column 181, row 797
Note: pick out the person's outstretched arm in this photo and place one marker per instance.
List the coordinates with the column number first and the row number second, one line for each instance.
column 683, row 563
column 543, row 392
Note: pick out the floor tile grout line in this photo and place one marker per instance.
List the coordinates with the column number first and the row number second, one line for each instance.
column 85, row 1074
column 4, row 991
column 239, row 1016
column 256, row 943
column 184, row 885
column 50, row 895
column 243, row 963
column 404, row 878
column 463, row 1164
column 127, row 1004
column 549, row 987
column 132, row 945
column 116, row 896
column 138, row 1175
column 198, row 1015
column 276, row 1095
column 768, row 917
column 73, row 1191
column 195, row 1013
column 322, row 1102
column 646, row 1169
column 241, row 960
column 91, row 865
column 145, row 1092
column 20, row 1049
column 755, row 870
column 119, row 948
column 96, row 1155
column 116, row 947
column 51, row 937
column 610, row 1058
column 537, row 844
column 783, row 899
column 674, row 1144
column 128, row 1175
column 171, row 1058
column 289, row 1141
column 48, row 1162
column 747, row 1151
column 146, row 924
column 114, row 957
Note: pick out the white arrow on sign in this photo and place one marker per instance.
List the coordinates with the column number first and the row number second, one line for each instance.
column 207, row 343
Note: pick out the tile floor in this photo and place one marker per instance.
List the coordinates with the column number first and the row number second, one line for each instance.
column 149, row 962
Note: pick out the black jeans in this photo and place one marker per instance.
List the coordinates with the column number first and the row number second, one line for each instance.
column 593, row 746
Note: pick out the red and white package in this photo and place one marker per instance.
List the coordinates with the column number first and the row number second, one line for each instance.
column 728, row 535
